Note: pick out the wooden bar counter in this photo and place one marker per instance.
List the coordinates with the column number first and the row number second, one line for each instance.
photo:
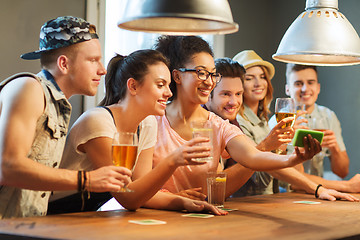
column 258, row 217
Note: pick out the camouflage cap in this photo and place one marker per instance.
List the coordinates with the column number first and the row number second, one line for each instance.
column 62, row 32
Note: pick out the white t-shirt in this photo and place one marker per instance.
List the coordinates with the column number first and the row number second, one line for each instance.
column 330, row 121
column 94, row 123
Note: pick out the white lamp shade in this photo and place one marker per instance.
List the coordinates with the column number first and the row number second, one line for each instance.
column 320, row 36
column 179, row 17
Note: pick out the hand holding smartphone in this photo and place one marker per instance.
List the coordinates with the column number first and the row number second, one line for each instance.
column 301, row 133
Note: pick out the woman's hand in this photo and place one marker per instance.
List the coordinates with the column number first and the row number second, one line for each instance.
column 202, row 206
column 300, row 122
column 191, row 149
column 310, row 149
column 192, row 193
column 108, row 179
column 278, row 136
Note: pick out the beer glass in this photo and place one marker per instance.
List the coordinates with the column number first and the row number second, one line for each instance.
column 285, row 107
column 124, row 151
column 320, row 124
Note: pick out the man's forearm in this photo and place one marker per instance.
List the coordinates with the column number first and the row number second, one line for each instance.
column 237, row 176
column 295, row 178
column 339, row 162
column 342, row 186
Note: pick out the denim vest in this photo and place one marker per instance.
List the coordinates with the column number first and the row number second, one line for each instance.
column 47, row 148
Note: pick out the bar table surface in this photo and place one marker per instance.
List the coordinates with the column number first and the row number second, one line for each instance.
column 257, row 217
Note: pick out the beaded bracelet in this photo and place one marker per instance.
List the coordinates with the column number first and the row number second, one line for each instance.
column 316, row 191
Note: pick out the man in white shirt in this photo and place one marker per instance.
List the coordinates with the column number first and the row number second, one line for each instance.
column 302, row 85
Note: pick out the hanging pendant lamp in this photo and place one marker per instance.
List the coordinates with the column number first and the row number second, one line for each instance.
column 179, row 17
column 320, row 36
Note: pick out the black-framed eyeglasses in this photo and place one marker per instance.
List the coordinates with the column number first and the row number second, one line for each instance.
column 203, row 74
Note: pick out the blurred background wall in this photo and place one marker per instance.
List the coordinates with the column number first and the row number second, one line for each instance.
column 20, row 22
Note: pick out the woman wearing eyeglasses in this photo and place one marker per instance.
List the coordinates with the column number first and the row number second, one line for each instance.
column 193, row 78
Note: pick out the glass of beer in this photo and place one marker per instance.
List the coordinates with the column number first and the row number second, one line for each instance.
column 285, row 107
column 124, row 151
column 320, row 124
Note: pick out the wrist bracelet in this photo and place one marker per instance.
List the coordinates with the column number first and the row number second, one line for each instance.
column 89, row 189
column 316, row 191
column 79, row 181
column 83, row 173
column 83, row 188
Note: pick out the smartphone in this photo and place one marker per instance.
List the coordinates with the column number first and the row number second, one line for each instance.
column 301, row 133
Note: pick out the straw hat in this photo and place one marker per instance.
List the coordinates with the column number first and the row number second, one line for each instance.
column 249, row 58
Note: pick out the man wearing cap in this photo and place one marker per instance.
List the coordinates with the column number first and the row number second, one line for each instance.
column 34, row 119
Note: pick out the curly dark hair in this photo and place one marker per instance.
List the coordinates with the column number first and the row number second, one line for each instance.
column 179, row 49
column 121, row 68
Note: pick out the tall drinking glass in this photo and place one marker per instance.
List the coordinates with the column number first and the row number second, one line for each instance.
column 300, row 108
column 284, row 107
column 320, row 124
column 216, row 186
column 203, row 129
column 124, row 151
